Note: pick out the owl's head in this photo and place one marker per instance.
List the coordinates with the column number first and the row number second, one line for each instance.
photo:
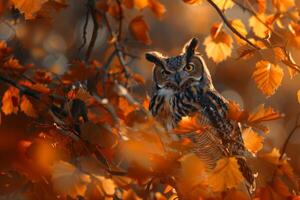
column 181, row 71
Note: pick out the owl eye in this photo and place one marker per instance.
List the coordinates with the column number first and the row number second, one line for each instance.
column 190, row 67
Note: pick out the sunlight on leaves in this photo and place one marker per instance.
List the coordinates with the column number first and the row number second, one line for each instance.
column 271, row 157
column 267, row 77
column 218, row 45
column 259, row 28
column 225, row 175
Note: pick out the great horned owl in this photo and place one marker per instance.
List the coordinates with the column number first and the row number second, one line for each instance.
column 182, row 87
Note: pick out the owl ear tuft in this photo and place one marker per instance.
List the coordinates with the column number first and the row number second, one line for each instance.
column 190, row 47
column 154, row 57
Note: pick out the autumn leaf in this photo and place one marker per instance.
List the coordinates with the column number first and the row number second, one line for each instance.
column 139, row 29
column 224, row 4
column 69, row 180
column 235, row 112
column 157, row 8
column 264, row 114
column 283, row 5
column 218, row 45
column 252, row 141
column 298, row 95
column 271, row 157
column 27, row 107
column 260, row 29
column 28, row 7
column 189, row 125
column 225, row 175
column 239, row 26
column 10, row 101
column 267, row 77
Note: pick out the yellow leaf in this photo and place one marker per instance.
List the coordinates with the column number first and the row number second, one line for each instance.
column 139, row 29
column 68, row 180
column 264, row 114
column 10, row 101
column 218, row 45
column 239, row 26
column 283, row 5
column 225, row 175
column 298, row 95
column 28, row 7
column 224, row 4
column 27, row 107
column 267, row 77
column 259, row 28
column 252, row 141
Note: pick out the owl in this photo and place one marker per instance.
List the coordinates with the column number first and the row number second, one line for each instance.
column 183, row 87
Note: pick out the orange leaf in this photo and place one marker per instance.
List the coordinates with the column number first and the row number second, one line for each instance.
column 218, row 45
column 139, row 29
column 252, row 141
column 272, row 157
column 10, row 101
column 188, row 125
column 259, row 28
column 267, row 77
column 235, row 112
column 225, row 175
column 27, row 107
column 28, row 7
column 264, row 114
column 157, row 8
column 298, row 95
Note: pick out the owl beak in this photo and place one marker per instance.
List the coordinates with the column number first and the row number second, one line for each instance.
column 177, row 78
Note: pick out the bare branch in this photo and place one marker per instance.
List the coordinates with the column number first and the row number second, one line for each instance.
column 95, row 30
column 287, row 140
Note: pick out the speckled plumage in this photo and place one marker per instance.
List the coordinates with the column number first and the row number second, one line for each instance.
column 183, row 87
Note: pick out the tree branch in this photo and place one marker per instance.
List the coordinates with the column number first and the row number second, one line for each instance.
column 287, row 140
column 85, row 29
column 91, row 5
column 230, row 26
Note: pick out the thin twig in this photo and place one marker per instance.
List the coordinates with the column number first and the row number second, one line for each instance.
column 95, row 30
column 85, row 29
column 286, row 142
column 230, row 26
